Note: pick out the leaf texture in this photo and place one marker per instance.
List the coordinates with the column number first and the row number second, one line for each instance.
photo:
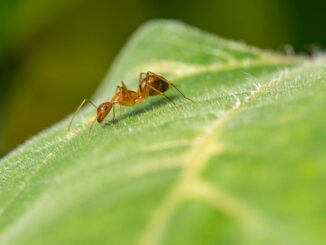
column 243, row 164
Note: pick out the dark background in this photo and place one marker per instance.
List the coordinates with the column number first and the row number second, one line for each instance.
column 54, row 53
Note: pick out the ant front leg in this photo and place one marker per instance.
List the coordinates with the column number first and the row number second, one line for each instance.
column 113, row 116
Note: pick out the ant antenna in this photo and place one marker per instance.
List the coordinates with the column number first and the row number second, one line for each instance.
column 78, row 109
column 90, row 127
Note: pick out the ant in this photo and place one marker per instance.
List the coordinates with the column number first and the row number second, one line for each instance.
column 150, row 84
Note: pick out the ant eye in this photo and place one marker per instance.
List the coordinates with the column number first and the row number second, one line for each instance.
column 103, row 108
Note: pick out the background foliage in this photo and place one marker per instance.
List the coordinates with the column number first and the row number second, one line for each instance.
column 54, row 53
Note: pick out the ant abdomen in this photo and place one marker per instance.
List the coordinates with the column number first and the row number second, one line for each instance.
column 156, row 85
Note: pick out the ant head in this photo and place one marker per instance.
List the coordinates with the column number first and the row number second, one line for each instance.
column 103, row 110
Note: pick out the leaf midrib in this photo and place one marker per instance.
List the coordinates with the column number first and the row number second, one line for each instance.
column 203, row 147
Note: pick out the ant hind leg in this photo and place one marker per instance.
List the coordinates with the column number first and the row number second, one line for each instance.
column 182, row 93
column 163, row 94
column 169, row 83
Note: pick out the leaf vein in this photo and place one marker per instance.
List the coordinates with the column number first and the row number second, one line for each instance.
column 203, row 147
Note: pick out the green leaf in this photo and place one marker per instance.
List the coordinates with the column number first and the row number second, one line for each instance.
column 243, row 164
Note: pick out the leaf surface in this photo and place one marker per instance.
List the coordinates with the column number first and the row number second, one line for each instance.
column 243, row 164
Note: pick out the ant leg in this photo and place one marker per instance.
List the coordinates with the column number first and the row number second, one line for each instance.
column 126, row 90
column 124, row 86
column 168, row 82
column 78, row 109
column 181, row 93
column 113, row 118
column 120, row 116
column 163, row 94
column 141, row 75
column 143, row 94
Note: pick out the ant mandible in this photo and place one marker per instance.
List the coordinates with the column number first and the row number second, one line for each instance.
column 150, row 84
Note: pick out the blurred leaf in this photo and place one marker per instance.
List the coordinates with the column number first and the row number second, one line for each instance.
column 243, row 164
column 73, row 37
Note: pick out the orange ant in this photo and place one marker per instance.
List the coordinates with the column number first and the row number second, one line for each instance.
column 150, row 84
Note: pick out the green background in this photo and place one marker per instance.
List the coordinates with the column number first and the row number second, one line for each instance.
column 55, row 53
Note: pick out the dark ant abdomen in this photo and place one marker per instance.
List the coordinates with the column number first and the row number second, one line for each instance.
column 159, row 85
column 156, row 83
